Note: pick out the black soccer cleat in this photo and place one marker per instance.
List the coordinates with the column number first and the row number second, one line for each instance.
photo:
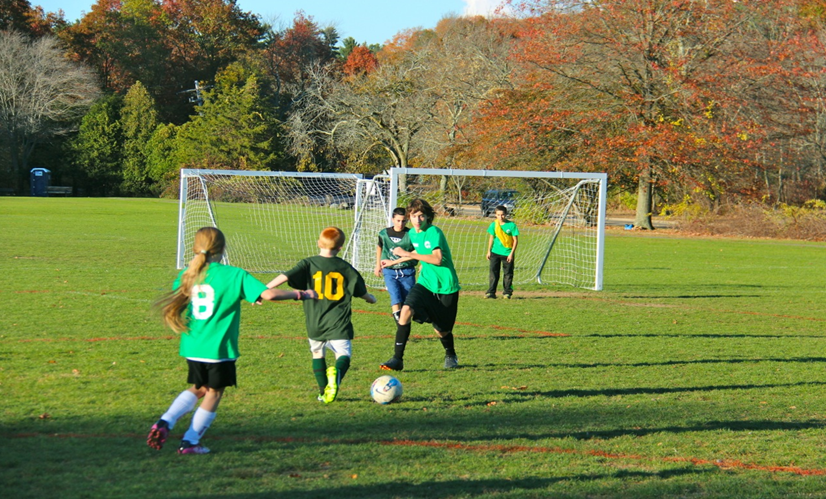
column 393, row 364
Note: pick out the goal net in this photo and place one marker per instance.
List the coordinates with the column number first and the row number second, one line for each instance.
column 560, row 216
column 271, row 220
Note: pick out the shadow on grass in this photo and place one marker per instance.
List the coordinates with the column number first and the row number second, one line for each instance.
column 521, row 334
column 583, row 365
column 689, row 362
column 264, row 452
column 689, row 297
column 464, row 488
column 710, row 426
column 612, row 392
column 703, row 335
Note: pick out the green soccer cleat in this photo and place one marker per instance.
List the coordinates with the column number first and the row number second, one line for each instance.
column 331, row 390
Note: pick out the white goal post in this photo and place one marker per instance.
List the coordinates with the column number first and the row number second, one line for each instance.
column 560, row 216
column 273, row 219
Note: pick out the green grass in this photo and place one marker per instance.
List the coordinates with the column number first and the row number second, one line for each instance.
column 697, row 372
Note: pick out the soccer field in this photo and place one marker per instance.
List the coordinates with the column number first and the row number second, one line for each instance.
column 697, row 372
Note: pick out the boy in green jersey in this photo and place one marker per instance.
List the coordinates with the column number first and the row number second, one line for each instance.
column 435, row 297
column 502, row 242
column 205, row 305
column 399, row 278
column 328, row 319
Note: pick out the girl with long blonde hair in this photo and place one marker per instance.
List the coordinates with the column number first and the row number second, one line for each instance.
column 205, row 307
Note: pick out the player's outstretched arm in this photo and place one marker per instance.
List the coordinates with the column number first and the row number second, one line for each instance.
column 387, row 263
column 434, row 258
column 278, row 281
column 288, row 294
column 369, row 298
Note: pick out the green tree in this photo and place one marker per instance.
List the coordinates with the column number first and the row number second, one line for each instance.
column 347, row 46
column 97, row 149
column 138, row 121
column 161, row 165
column 235, row 127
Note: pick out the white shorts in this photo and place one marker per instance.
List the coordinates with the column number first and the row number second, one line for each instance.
column 338, row 347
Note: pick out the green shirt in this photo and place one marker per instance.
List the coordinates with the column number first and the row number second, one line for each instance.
column 441, row 279
column 389, row 239
column 336, row 283
column 508, row 228
column 214, row 312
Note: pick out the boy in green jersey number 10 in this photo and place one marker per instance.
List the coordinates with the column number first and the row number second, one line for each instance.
column 435, row 297
column 328, row 318
column 205, row 305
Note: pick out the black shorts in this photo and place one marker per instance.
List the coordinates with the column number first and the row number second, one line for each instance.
column 211, row 374
column 427, row 306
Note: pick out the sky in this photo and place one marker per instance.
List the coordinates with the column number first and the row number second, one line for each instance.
column 371, row 21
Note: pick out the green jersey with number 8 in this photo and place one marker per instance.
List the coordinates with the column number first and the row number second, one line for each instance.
column 214, row 312
column 336, row 283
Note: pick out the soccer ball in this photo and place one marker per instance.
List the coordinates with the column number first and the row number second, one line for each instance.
column 386, row 389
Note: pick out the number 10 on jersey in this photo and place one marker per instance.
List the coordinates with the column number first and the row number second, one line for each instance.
column 329, row 286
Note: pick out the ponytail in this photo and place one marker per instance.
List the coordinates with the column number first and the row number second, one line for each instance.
column 209, row 242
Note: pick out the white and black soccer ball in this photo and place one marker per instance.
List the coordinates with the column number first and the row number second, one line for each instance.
column 386, row 389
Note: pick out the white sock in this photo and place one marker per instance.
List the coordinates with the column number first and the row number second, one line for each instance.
column 200, row 424
column 184, row 403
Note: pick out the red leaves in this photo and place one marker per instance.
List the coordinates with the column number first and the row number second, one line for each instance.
column 360, row 61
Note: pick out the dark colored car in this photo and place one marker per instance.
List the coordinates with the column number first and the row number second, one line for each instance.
column 498, row 197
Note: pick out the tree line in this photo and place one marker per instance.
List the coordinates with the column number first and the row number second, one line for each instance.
column 682, row 102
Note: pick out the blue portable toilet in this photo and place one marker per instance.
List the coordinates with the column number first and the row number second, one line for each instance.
column 39, row 180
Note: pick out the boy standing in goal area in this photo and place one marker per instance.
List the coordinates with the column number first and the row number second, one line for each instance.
column 435, row 297
column 399, row 278
column 502, row 243
column 205, row 306
column 328, row 318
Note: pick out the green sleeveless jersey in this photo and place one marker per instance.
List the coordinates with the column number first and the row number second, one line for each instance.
column 336, row 283
column 214, row 312
column 441, row 279
column 389, row 239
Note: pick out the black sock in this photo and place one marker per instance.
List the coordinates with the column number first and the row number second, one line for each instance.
column 402, row 334
column 447, row 342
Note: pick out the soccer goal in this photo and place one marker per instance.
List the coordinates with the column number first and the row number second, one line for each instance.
column 560, row 216
column 271, row 219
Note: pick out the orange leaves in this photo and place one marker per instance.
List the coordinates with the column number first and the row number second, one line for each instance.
column 360, row 61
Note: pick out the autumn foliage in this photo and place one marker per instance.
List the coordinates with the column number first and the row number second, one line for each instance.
column 705, row 101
